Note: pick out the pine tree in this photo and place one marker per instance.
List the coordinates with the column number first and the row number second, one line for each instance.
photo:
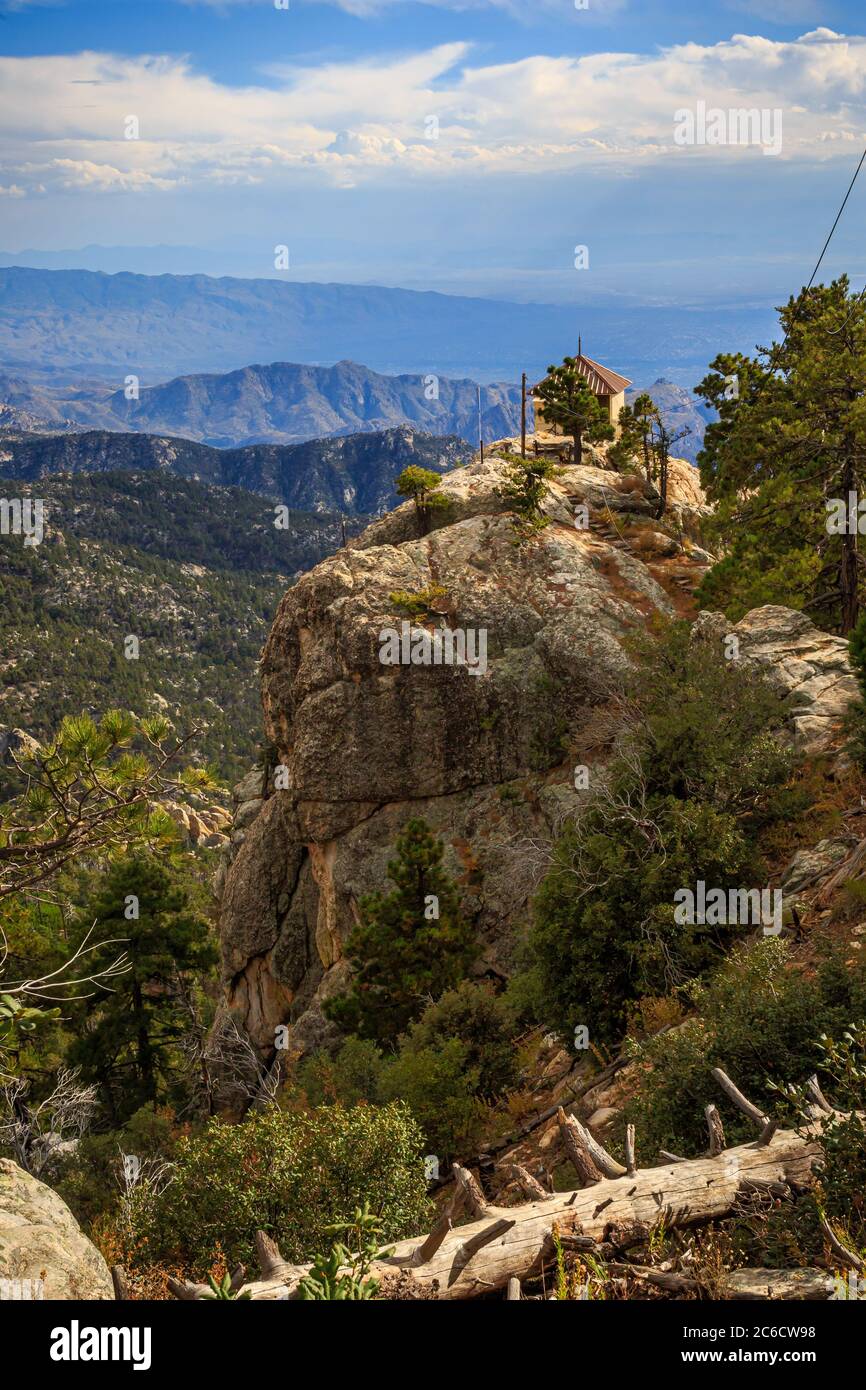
column 646, row 413
column 422, row 485
column 410, row 946
column 568, row 401
column 663, row 441
column 130, row 1035
column 635, row 437
column 784, row 459
column 525, row 489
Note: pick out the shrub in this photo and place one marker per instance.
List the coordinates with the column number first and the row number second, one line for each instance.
column 293, row 1176
column 525, row 489
column 605, row 930
column 441, row 1090
column 421, row 602
column 89, row 1179
column 758, row 1019
column 483, row 1023
column 455, row 1058
column 350, row 1075
column 843, row 1171
column 699, row 773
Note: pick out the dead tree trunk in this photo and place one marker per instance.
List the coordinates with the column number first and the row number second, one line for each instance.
column 503, row 1244
column 515, row 1242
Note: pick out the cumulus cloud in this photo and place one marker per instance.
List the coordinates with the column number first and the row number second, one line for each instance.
column 435, row 113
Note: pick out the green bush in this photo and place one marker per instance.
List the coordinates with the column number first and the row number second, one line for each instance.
column 352, row 1074
column 699, row 773
column 293, row 1176
column 483, row 1022
column 455, row 1058
column 843, row 1170
column 758, row 1019
column 441, row 1090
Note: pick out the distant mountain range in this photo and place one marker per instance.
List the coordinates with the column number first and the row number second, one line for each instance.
column 352, row 474
column 282, row 403
column 287, row 402
column 70, row 323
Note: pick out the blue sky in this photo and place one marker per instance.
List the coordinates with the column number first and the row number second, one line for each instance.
column 311, row 128
column 230, row 40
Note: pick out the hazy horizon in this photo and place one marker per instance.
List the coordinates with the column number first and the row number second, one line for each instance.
column 463, row 146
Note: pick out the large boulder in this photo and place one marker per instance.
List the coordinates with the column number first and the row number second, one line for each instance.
column 41, row 1240
column 486, row 757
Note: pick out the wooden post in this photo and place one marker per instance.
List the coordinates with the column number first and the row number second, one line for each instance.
column 480, row 431
column 523, row 417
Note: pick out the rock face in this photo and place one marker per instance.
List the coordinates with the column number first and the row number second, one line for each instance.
column 809, row 667
column 486, row 757
column 200, row 826
column 16, row 744
column 40, row 1239
column 808, row 865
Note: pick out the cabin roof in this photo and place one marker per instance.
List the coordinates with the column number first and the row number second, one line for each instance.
column 601, row 380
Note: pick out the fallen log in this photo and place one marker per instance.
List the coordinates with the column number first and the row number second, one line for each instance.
column 741, row 1285
column 501, row 1244
column 516, row 1242
column 780, row 1283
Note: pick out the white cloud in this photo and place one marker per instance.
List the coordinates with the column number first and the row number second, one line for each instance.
column 62, row 118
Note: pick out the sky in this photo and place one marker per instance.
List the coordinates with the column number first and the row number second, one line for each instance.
column 523, row 149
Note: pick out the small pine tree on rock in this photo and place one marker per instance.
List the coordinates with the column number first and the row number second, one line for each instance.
column 422, row 485
column 525, row 489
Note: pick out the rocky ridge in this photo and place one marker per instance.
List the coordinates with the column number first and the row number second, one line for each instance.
column 487, row 759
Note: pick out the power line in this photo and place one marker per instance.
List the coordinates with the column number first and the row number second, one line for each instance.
column 836, row 222
column 804, row 292
column 802, row 299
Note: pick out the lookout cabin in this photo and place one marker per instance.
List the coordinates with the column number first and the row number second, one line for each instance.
column 608, row 385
